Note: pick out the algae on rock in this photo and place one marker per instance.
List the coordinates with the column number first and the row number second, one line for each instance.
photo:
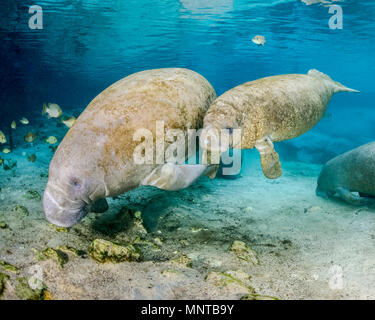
column 244, row 252
column 9, row 267
column 33, row 195
column 21, row 210
column 107, row 251
column 237, row 281
column 3, row 277
column 56, row 255
column 25, row 292
column 183, row 260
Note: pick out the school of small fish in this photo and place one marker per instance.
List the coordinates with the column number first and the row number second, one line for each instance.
column 51, row 110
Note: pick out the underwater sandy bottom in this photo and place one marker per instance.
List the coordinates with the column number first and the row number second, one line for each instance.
column 308, row 247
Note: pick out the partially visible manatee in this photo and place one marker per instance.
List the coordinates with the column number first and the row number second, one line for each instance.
column 271, row 109
column 95, row 159
column 353, row 171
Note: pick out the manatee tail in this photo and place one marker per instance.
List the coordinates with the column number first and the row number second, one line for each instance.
column 338, row 87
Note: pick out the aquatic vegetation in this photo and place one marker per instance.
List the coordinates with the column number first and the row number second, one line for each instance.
column 74, row 251
column 25, row 292
column 259, row 40
column 55, row 255
column 21, row 211
column 237, row 281
column 244, row 252
column 107, row 251
column 254, row 296
column 9, row 267
column 57, row 228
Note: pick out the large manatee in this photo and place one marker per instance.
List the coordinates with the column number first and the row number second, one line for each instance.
column 95, row 159
column 269, row 110
column 353, row 171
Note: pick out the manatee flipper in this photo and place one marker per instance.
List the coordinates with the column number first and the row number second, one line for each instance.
column 174, row 177
column 99, row 206
column 350, row 198
column 269, row 158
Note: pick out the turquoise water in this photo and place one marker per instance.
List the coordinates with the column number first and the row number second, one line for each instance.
column 87, row 45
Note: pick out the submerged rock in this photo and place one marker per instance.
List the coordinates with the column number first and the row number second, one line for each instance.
column 33, row 195
column 21, row 210
column 3, row 277
column 9, row 267
column 183, row 260
column 74, row 251
column 244, row 252
column 25, row 292
column 57, row 228
column 106, row 251
column 56, row 255
column 3, row 225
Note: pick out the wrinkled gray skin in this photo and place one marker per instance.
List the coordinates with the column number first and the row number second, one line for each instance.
column 353, row 171
column 95, row 159
column 270, row 110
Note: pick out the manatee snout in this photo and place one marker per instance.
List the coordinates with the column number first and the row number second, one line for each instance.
column 62, row 211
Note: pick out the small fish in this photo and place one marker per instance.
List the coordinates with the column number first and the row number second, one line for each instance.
column 13, row 125
column 3, row 139
column 52, row 110
column 259, row 40
column 7, row 150
column 24, row 121
column 51, row 140
column 68, row 121
column 31, row 158
column 30, row 137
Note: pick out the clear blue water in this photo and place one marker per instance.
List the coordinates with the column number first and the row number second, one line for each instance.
column 87, row 45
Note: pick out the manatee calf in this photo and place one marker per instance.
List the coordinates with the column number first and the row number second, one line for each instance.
column 269, row 110
column 353, row 171
column 95, row 159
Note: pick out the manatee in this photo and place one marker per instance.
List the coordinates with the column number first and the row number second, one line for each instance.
column 353, row 171
column 269, row 110
column 95, row 158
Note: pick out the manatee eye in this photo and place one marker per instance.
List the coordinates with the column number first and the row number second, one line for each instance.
column 76, row 183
